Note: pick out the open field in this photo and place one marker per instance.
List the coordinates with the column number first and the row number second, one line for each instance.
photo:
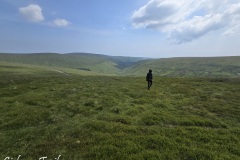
column 48, row 113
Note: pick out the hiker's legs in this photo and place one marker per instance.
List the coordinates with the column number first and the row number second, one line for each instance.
column 149, row 84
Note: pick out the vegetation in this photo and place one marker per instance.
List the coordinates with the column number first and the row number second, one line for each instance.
column 189, row 67
column 50, row 113
column 93, row 62
column 167, row 67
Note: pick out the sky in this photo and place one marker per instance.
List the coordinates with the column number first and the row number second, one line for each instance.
column 135, row 28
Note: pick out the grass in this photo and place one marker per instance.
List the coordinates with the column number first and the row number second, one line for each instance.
column 188, row 67
column 109, row 117
column 95, row 62
column 103, row 64
column 15, row 69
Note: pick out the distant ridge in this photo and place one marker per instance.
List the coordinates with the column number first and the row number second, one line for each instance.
column 85, row 61
column 189, row 67
column 136, row 66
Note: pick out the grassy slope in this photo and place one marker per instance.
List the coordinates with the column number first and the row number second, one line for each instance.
column 17, row 69
column 82, row 61
column 174, row 67
column 54, row 59
column 99, row 117
column 189, row 67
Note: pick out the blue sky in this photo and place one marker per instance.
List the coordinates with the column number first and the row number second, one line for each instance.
column 142, row 28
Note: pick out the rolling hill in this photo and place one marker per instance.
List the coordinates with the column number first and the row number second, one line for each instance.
column 82, row 61
column 188, row 67
column 134, row 66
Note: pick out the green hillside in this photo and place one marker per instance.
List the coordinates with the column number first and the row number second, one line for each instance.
column 82, row 61
column 188, row 67
column 28, row 70
column 103, row 64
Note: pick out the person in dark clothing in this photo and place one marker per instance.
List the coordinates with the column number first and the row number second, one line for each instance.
column 149, row 78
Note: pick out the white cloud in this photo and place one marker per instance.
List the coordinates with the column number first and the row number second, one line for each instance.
column 32, row 13
column 61, row 22
column 186, row 20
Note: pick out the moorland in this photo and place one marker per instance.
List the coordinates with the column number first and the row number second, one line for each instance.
column 133, row 66
column 103, row 110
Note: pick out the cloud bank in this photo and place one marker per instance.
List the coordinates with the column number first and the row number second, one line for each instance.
column 186, row 20
column 32, row 13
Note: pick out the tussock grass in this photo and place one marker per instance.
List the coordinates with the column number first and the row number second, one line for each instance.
column 99, row 117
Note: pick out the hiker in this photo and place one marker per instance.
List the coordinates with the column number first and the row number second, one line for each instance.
column 149, row 78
